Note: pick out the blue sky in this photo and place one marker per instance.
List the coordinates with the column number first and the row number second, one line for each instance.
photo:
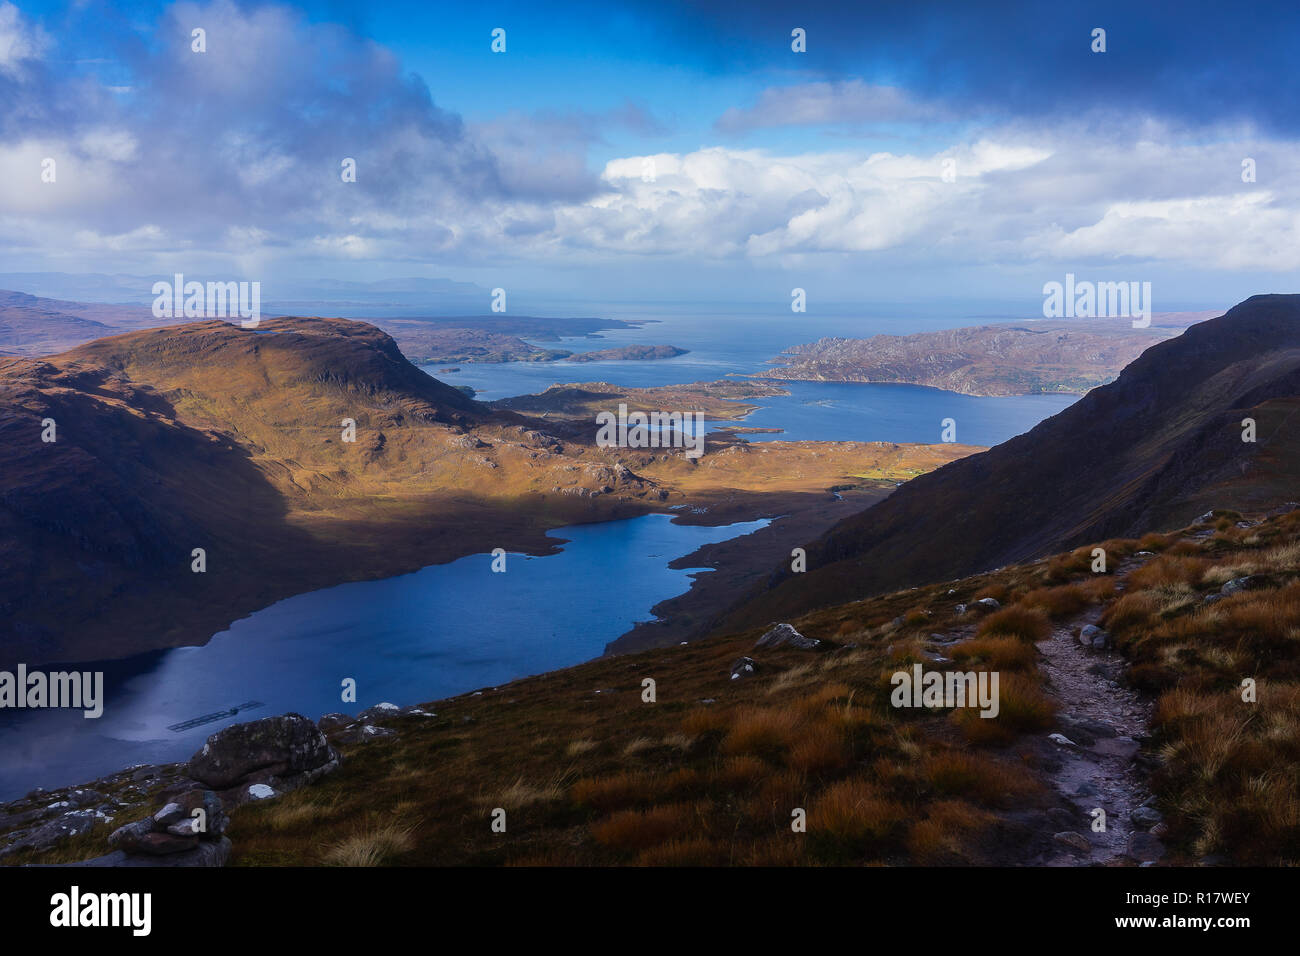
column 650, row 150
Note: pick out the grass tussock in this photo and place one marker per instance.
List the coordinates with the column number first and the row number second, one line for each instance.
column 372, row 846
column 1023, row 623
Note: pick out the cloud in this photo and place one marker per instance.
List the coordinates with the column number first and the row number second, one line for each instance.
column 20, row 41
column 1196, row 62
column 816, row 104
column 235, row 155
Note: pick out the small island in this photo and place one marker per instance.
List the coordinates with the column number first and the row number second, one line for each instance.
column 721, row 400
column 629, row 353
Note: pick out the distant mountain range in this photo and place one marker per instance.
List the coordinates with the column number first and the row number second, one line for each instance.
column 1150, row 451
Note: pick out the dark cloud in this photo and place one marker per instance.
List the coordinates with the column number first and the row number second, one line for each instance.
column 1196, row 61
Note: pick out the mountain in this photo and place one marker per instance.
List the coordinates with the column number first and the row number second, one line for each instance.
column 1150, row 451
column 207, row 435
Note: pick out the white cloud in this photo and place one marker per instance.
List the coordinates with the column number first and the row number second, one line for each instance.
column 19, row 40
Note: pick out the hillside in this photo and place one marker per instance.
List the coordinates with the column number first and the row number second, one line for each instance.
column 207, row 435
column 34, row 326
column 1160, row 445
column 714, row 768
column 1029, row 358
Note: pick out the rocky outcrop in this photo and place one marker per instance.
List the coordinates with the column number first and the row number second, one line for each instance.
column 784, row 635
column 282, row 752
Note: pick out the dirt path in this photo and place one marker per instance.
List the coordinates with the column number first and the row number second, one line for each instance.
column 1094, row 764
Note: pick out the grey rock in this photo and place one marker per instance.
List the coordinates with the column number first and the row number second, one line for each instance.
column 990, row 603
column 56, row 831
column 128, row 836
column 1092, row 636
column 284, row 746
column 1214, row 859
column 169, row 814
column 783, row 635
column 959, row 610
column 743, row 668
column 1249, row 583
column 384, row 711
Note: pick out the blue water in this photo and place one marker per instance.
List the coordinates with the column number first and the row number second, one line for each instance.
column 723, row 346
column 440, row 631
column 455, row 627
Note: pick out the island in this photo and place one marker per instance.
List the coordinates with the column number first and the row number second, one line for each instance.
column 1070, row 356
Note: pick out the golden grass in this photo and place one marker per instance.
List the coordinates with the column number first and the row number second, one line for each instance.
column 614, row 792
column 1023, row 707
column 853, row 818
column 1024, row 623
column 944, row 836
column 373, row 846
column 996, row 653
column 638, row 830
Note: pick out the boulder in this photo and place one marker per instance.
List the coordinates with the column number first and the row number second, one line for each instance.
column 289, row 746
column 783, row 635
column 1250, row 582
column 989, row 603
column 1075, row 841
column 743, row 667
column 378, row 712
column 1094, row 637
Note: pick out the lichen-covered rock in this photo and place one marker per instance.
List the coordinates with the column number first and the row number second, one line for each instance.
column 284, row 746
column 57, row 830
